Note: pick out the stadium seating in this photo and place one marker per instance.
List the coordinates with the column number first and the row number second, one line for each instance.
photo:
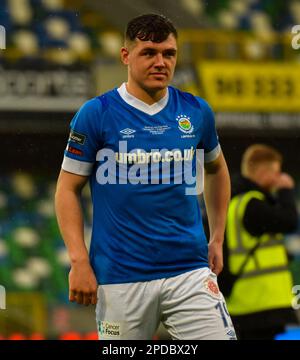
column 32, row 253
column 67, row 32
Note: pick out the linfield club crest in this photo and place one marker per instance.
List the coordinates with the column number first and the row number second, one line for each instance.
column 184, row 124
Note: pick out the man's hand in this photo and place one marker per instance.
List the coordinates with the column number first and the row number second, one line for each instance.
column 285, row 181
column 215, row 256
column 82, row 284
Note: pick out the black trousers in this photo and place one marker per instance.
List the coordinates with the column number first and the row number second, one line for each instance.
column 258, row 334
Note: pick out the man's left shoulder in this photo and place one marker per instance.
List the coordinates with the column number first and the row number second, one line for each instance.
column 192, row 99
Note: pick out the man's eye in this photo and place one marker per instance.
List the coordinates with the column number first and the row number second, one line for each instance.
column 169, row 55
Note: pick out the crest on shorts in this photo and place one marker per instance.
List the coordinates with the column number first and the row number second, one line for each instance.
column 212, row 287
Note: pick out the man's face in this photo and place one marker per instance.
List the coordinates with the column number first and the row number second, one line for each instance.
column 267, row 174
column 151, row 65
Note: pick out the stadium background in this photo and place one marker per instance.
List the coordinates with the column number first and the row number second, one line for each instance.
column 237, row 54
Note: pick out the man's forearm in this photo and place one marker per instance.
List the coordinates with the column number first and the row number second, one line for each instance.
column 70, row 220
column 217, row 197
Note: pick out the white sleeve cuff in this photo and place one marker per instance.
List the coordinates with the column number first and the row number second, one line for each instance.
column 77, row 167
column 213, row 154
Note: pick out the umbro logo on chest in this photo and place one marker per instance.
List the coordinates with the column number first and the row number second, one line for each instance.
column 127, row 133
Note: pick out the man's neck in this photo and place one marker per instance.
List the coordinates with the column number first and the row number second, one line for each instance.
column 147, row 97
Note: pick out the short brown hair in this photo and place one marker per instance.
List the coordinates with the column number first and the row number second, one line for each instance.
column 151, row 27
column 257, row 154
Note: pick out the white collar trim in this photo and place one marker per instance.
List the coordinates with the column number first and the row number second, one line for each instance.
column 140, row 105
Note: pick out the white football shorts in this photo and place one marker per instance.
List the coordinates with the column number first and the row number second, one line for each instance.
column 189, row 305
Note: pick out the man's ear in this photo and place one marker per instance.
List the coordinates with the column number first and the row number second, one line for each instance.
column 124, row 55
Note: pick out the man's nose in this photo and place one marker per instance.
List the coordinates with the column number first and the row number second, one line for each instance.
column 159, row 60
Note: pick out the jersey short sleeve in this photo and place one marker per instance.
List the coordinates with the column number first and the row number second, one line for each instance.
column 210, row 142
column 84, row 140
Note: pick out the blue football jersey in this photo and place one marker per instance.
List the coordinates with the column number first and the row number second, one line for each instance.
column 137, row 156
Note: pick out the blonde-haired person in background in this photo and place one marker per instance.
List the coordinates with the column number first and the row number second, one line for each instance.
column 261, row 210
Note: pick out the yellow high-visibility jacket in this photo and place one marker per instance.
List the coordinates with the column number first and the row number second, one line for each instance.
column 266, row 282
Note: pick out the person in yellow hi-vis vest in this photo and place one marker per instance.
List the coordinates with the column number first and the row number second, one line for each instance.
column 261, row 210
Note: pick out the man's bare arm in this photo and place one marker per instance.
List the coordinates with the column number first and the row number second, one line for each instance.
column 217, row 197
column 82, row 280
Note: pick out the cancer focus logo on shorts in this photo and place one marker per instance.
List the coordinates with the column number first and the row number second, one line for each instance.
column 2, row 298
column 109, row 329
